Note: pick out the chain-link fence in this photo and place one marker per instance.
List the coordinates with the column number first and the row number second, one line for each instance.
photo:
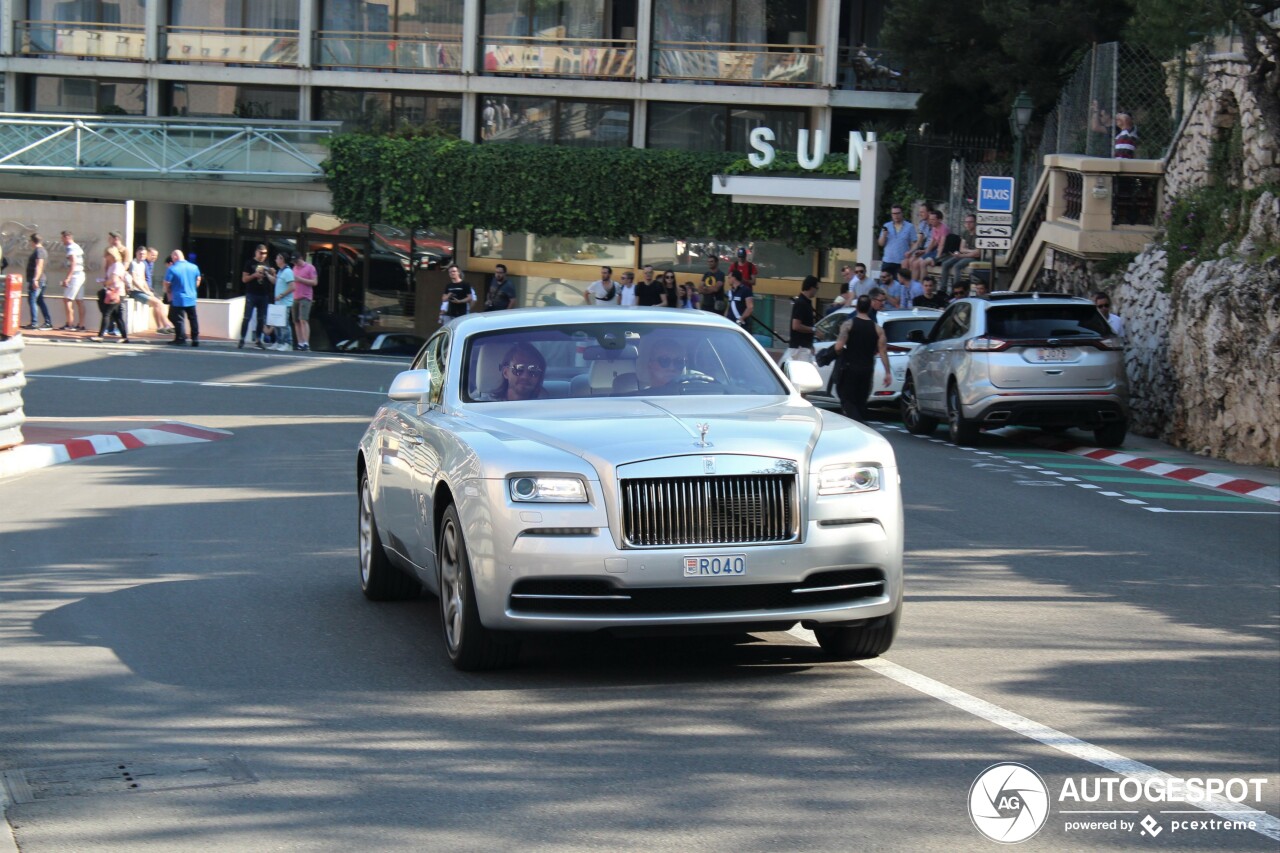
column 1112, row 78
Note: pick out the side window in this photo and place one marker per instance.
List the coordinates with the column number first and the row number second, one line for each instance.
column 423, row 359
column 954, row 323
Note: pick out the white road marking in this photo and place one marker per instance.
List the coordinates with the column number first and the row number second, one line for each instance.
column 1211, row 511
column 1113, row 762
column 1069, row 479
column 1087, row 486
column 1133, row 501
column 1112, row 494
column 208, row 384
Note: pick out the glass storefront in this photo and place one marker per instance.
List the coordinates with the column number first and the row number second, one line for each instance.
column 439, row 18
column 234, row 14
column 87, row 11
column 85, row 95
column 553, row 121
column 709, row 127
column 209, row 100
column 745, row 22
column 380, row 112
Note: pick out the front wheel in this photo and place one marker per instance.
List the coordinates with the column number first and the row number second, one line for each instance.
column 470, row 644
column 916, row 421
column 379, row 580
column 861, row 642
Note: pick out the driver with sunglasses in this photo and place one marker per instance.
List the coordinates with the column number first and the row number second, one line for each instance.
column 662, row 362
column 523, row 368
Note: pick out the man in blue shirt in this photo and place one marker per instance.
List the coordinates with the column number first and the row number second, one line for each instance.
column 896, row 238
column 180, row 284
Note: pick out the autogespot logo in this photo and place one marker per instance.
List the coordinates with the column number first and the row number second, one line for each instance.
column 1008, row 802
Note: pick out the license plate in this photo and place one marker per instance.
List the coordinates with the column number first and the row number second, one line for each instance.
column 720, row 566
column 1054, row 354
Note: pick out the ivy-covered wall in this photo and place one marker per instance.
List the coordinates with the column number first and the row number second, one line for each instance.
column 606, row 192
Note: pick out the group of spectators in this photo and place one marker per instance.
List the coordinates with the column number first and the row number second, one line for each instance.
column 918, row 246
column 730, row 293
column 171, row 298
column 285, row 283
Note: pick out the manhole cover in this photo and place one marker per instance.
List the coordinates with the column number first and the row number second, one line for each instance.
column 123, row 777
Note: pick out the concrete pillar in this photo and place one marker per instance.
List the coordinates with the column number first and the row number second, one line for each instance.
column 307, row 25
column 10, row 92
column 644, row 38
column 470, row 116
column 7, row 13
column 154, row 16
column 639, row 123
column 164, row 229
column 828, row 39
column 470, row 37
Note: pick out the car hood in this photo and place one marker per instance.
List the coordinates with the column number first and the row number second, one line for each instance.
column 612, row 432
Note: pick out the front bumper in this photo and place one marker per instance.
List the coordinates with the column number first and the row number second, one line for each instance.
column 845, row 566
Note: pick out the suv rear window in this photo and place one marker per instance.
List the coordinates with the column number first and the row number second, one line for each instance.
column 897, row 331
column 1016, row 322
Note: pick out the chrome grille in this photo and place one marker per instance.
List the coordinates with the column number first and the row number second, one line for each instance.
column 709, row 510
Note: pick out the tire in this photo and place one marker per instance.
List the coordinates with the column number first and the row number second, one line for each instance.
column 471, row 646
column 379, row 580
column 864, row 641
column 916, row 421
column 963, row 433
column 1112, row 434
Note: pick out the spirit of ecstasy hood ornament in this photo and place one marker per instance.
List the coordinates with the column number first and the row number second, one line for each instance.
column 702, row 435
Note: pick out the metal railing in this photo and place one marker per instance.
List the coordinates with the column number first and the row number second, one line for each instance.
column 560, row 57
column 778, row 64
column 94, row 146
column 1073, row 196
column 235, row 46
column 87, row 39
column 389, row 51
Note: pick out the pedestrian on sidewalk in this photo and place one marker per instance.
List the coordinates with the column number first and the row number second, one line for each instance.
column 36, row 282
column 181, row 282
column 304, row 283
column 257, row 296
column 113, row 302
column 284, row 298
column 73, row 284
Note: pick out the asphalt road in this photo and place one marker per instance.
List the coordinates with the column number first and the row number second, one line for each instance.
column 190, row 614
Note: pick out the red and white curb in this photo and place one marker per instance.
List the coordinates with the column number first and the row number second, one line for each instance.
column 28, row 457
column 1183, row 473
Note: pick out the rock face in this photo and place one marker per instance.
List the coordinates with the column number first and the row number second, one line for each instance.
column 1203, row 355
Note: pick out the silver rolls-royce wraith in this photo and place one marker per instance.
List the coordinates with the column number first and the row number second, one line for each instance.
column 624, row 469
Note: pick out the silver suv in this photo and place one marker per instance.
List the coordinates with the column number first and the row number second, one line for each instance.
column 1027, row 359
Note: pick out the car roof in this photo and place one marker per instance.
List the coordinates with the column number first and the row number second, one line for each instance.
column 530, row 318
column 895, row 313
column 1030, row 296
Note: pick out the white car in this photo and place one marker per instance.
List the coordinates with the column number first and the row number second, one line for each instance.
column 898, row 324
column 640, row 469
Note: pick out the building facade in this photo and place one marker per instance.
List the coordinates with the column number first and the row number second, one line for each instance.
column 688, row 74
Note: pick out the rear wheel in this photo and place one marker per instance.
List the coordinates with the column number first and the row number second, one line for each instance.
column 962, row 432
column 1111, row 434
column 379, row 580
column 863, row 641
column 916, row 422
column 470, row 644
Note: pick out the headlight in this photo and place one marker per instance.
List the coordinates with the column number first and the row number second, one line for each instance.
column 848, row 479
column 569, row 490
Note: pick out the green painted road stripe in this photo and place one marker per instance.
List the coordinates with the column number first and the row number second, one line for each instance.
column 1175, row 496
column 1096, row 466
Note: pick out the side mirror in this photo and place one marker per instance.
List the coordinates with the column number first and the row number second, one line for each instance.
column 410, row 386
column 916, row 336
column 804, row 376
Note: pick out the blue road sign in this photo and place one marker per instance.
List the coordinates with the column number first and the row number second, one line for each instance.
column 995, row 195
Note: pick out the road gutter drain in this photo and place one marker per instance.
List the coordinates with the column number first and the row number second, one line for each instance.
column 123, row 777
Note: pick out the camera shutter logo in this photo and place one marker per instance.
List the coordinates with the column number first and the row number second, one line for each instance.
column 1008, row 803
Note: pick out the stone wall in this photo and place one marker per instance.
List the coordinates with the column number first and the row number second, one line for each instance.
column 1203, row 354
column 1222, row 103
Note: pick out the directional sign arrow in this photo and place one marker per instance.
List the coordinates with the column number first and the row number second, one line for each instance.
column 995, row 230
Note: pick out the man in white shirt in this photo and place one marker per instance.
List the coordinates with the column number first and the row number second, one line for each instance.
column 1115, row 321
column 604, row 291
column 627, row 290
column 73, row 284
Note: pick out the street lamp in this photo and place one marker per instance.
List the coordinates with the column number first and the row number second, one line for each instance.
column 1019, row 118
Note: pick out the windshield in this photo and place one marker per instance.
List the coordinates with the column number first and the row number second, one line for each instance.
column 613, row 360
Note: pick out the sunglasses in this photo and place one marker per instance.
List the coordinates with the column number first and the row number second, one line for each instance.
column 669, row 362
column 522, row 369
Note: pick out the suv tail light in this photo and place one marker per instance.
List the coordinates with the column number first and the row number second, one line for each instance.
column 986, row 345
column 1109, row 344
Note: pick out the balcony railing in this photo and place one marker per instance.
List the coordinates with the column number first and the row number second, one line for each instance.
column 777, row 64
column 869, row 69
column 387, row 51
column 613, row 59
column 1073, row 196
column 80, row 38
column 231, row 46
